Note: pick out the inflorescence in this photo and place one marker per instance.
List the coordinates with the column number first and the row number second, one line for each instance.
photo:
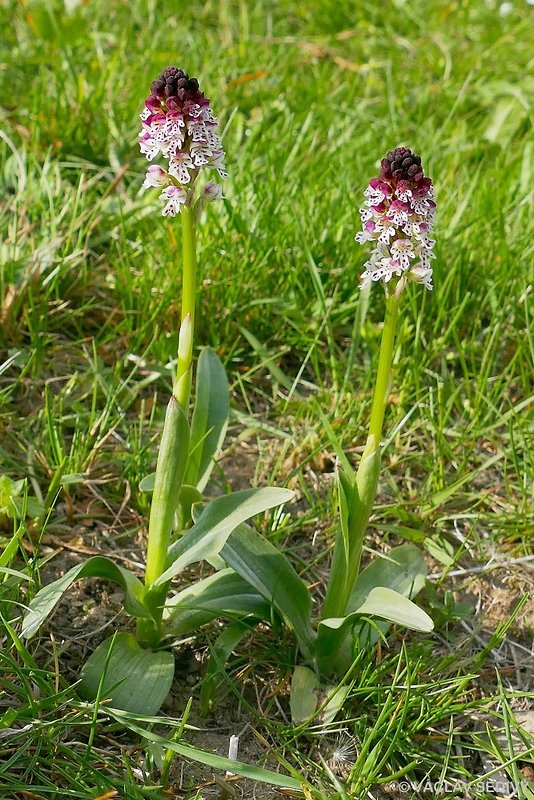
column 399, row 216
column 179, row 125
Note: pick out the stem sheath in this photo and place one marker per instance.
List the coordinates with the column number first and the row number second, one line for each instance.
column 182, row 388
column 359, row 491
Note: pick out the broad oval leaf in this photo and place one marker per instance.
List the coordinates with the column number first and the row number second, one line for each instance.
column 47, row 598
column 132, row 678
column 210, row 418
column 219, row 518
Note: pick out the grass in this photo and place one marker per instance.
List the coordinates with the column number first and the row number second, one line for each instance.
column 309, row 97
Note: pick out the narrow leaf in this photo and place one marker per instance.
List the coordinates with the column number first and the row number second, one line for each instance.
column 96, row 567
column 217, row 521
column 210, row 418
column 132, row 678
column 221, row 651
column 210, row 759
column 223, row 594
column 271, row 574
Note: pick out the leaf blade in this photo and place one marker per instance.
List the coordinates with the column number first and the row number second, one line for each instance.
column 133, row 678
column 210, row 418
column 265, row 568
column 223, row 594
column 219, row 518
column 47, row 598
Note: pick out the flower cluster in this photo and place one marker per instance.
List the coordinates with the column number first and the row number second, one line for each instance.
column 178, row 124
column 399, row 216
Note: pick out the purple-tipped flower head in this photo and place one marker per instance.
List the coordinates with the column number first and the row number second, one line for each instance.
column 399, row 217
column 178, row 124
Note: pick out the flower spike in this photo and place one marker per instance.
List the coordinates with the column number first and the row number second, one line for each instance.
column 178, row 124
column 398, row 215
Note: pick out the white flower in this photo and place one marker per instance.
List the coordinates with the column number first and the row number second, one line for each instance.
column 155, row 176
column 176, row 197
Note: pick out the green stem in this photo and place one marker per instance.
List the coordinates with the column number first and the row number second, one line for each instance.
column 170, row 469
column 182, row 388
column 174, row 447
column 381, row 392
column 359, row 491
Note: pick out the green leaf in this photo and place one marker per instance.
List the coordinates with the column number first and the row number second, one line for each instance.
column 188, row 494
column 304, row 694
column 356, row 498
column 132, row 678
column 403, row 569
column 219, row 518
column 147, row 483
column 210, row 759
column 271, row 574
column 96, row 567
column 220, row 652
column 387, row 604
column 210, row 418
column 395, row 607
column 14, row 501
column 10, row 550
column 223, row 594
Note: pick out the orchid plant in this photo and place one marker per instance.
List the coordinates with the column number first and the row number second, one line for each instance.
column 135, row 671
column 252, row 580
column 398, row 217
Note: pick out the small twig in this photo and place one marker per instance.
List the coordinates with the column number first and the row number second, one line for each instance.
column 511, row 562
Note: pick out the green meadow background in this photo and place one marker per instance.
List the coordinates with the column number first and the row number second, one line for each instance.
column 309, row 96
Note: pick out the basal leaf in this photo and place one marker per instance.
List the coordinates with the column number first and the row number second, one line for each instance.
column 131, row 677
column 224, row 594
column 395, row 607
column 96, row 567
column 270, row 573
